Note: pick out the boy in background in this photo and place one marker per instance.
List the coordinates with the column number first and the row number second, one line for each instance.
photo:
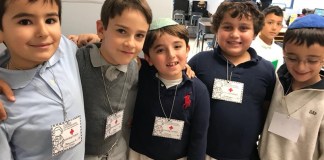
column 294, row 126
column 171, row 114
column 264, row 43
column 240, row 82
column 47, row 120
column 109, row 76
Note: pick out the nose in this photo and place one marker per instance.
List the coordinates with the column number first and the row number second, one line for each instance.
column 301, row 65
column 171, row 53
column 234, row 33
column 42, row 29
column 130, row 42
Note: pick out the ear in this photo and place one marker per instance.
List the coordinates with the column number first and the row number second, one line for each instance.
column 100, row 29
column 148, row 59
column 188, row 50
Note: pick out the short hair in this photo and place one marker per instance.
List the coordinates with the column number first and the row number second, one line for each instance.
column 304, row 11
column 238, row 9
column 276, row 10
column 112, row 8
column 301, row 36
column 174, row 30
column 4, row 4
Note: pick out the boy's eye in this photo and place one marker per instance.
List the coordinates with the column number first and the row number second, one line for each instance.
column 140, row 35
column 244, row 28
column 50, row 21
column 227, row 27
column 122, row 31
column 292, row 59
column 177, row 46
column 312, row 61
column 159, row 50
column 25, row 22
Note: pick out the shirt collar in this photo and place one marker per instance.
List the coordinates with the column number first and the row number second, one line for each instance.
column 262, row 43
column 98, row 61
column 21, row 78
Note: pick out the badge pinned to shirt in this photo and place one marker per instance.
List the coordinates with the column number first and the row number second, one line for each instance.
column 114, row 123
column 285, row 126
column 168, row 128
column 66, row 135
column 228, row 90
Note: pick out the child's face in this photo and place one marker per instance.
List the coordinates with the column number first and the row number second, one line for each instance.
column 235, row 36
column 304, row 63
column 124, row 38
column 272, row 26
column 169, row 55
column 31, row 32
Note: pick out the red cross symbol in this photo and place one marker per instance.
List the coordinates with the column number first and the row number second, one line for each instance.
column 71, row 131
column 230, row 89
column 170, row 127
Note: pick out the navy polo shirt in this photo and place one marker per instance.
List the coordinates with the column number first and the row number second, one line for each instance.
column 234, row 127
column 196, row 117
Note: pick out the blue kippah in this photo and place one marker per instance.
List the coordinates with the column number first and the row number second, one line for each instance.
column 309, row 21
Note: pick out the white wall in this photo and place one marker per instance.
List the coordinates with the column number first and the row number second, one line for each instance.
column 212, row 5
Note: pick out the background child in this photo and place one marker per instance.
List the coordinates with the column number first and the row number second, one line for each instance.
column 264, row 43
column 47, row 120
column 240, row 82
column 109, row 76
column 294, row 125
column 172, row 111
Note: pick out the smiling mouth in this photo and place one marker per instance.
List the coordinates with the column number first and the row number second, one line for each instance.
column 172, row 64
column 41, row 45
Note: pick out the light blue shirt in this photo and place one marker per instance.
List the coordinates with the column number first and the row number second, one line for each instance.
column 40, row 95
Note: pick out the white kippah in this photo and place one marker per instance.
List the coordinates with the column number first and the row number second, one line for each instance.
column 162, row 22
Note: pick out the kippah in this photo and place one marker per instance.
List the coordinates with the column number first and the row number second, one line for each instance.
column 308, row 21
column 162, row 22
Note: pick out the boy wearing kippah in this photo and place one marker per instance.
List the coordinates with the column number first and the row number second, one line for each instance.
column 295, row 122
column 171, row 114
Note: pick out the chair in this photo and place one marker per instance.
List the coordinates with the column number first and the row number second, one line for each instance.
column 204, row 32
column 194, row 18
column 179, row 16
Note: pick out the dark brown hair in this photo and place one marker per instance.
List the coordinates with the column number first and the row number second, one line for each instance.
column 4, row 4
column 238, row 9
column 174, row 30
column 112, row 8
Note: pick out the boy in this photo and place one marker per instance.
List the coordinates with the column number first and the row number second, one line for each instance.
column 264, row 43
column 240, row 82
column 109, row 76
column 47, row 120
column 172, row 111
column 294, row 125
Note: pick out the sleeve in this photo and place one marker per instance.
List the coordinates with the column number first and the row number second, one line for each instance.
column 5, row 151
column 271, row 85
column 321, row 141
column 200, row 122
column 192, row 63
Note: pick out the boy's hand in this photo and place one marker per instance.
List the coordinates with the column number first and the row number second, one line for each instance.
column 190, row 73
column 6, row 90
column 84, row 39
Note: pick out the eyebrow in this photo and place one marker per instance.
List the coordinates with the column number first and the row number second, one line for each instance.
column 125, row 27
column 307, row 56
column 161, row 45
column 20, row 15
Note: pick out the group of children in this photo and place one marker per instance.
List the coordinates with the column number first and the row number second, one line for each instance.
column 218, row 115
